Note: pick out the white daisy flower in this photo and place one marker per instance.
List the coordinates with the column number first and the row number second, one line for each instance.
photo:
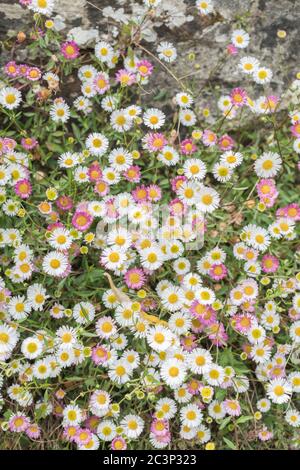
column 72, row 415
column 10, row 97
column 191, row 415
column 279, row 391
column 248, row 64
column 167, row 52
column 173, row 372
column 97, row 144
column 268, row 165
column 240, row 38
column 132, row 426
column 60, row 239
column 154, row 118
column 55, row 263
column 262, row 75
column 31, row 347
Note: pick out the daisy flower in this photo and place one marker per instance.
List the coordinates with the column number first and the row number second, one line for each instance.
column 262, row 75
column 8, row 338
column 70, row 50
column 187, row 117
column 55, row 264
column 268, row 165
column 248, row 64
column 132, row 426
column 59, row 111
column 120, row 371
column 97, row 144
column 207, row 199
column 154, row 118
column 72, row 415
column 279, row 391
column 103, row 51
column 120, row 121
column 10, row 97
column 167, row 52
column 42, row 6
column 159, row 338
column 240, row 38
column 173, row 372
column 205, row 6
column 191, row 415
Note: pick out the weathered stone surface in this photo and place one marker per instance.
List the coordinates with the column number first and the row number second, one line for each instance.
column 207, row 37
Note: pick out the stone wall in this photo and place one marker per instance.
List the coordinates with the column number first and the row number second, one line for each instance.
column 206, row 37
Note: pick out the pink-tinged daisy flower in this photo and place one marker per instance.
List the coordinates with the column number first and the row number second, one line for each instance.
column 209, row 138
column 83, row 436
column 271, row 103
column 18, row 423
column 118, row 443
column 154, row 141
column 99, row 354
column 11, row 69
column 226, row 142
column 188, row 342
column 111, row 209
column 28, row 143
column 295, row 129
column 5, row 294
column 194, row 387
column 33, row 74
column 205, row 314
column 265, row 434
column 159, row 427
column 133, row 174
column 33, row 431
column 294, row 315
column 23, row 188
column 69, row 50
column 92, row 423
column 187, row 147
column 140, row 194
column 148, row 304
column 64, row 203
column 101, row 83
column 269, row 263
column 267, row 191
column 232, row 407
column 70, row 432
column 95, row 172
column 218, row 271
column 277, row 372
column 238, row 97
column 8, row 144
column 232, row 49
column 25, row 2
column 82, row 220
column 243, row 322
column 101, row 188
column 177, row 207
column 135, row 278
column 23, row 70
column 177, row 182
column 292, row 211
column 217, row 334
column 153, row 193
column 125, row 78
column 144, row 68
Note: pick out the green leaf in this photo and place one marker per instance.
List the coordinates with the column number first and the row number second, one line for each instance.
column 225, row 422
column 229, row 443
column 243, row 419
